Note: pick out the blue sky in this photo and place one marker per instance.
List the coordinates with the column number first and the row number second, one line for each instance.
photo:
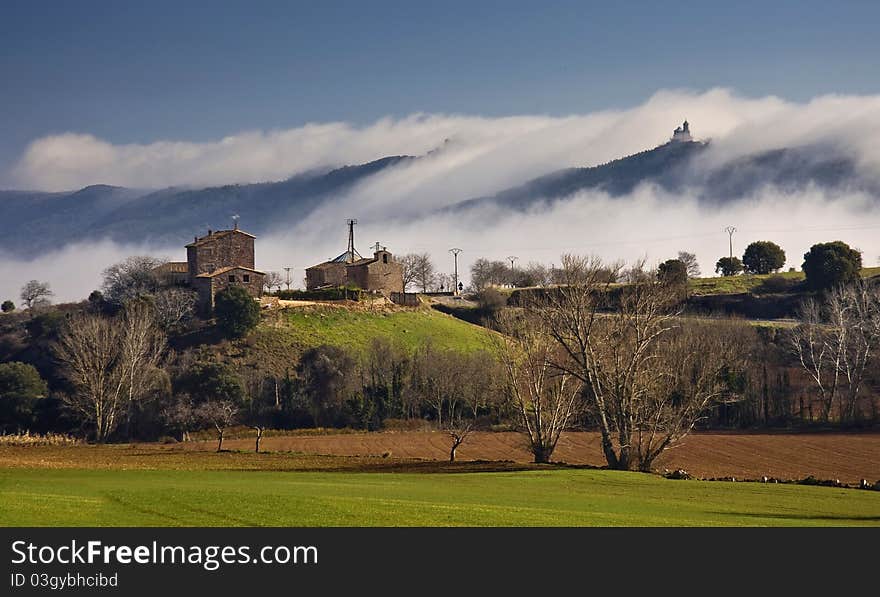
column 136, row 72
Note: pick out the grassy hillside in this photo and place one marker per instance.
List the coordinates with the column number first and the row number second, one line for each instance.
column 561, row 497
column 747, row 283
column 301, row 328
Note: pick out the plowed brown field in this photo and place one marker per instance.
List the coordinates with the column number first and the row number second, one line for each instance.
column 845, row 456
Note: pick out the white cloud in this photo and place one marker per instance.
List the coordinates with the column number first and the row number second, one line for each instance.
column 501, row 149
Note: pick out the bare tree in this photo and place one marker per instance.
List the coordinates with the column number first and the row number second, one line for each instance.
column 610, row 341
column 141, row 348
column 110, row 362
column 35, row 294
column 89, row 349
column 443, row 282
column 488, row 273
column 131, row 278
column 221, row 414
column 409, row 262
column 695, row 366
column 472, row 386
column 690, row 262
column 273, row 280
column 179, row 414
column 424, row 271
column 174, row 306
column 545, row 397
column 835, row 341
column 536, row 274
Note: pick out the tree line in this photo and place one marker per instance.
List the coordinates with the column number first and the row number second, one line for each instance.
column 587, row 354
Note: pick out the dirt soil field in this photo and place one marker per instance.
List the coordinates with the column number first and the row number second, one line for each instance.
column 848, row 457
column 845, row 456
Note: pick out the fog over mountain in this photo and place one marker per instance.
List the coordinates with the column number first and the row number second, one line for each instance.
column 532, row 186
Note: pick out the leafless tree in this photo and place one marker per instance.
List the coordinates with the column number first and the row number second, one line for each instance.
column 690, row 262
column 179, row 414
column 472, row 386
column 610, row 340
column 696, row 365
column 545, row 397
column 408, row 262
column 273, row 280
column 89, row 349
column 418, row 270
column 443, row 282
column 110, row 362
column 142, row 345
column 220, row 414
column 35, row 294
column 432, row 379
column 174, row 306
column 536, row 274
column 487, row 273
column 835, row 341
column 131, row 278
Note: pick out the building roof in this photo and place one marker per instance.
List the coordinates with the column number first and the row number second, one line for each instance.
column 337, row 263
column 218, row 234
column 223, row 270
column 348, row 257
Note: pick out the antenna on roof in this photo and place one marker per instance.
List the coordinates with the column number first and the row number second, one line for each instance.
column 235, row 218
column 351, row 250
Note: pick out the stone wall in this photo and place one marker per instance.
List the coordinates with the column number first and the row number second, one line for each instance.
column 207, row 288
column 326, row 274
column 226, row 248
column 380, row 275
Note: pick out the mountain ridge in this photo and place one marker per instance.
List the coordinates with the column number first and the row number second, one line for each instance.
column 35, row 222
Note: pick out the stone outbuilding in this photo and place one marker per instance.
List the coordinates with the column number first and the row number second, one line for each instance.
column 208, row 285
column 381, row 273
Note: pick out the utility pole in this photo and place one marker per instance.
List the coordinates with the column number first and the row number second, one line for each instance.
column 455, row 251
column 511, row 259
column 730, row 230
column 287, row 269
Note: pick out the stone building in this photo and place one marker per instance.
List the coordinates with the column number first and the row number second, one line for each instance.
column 173, row 273
column 381, row 273
column 682, row 133
column 221, row 259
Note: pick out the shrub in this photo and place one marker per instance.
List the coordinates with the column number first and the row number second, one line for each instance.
column 340, row 293
column 34, row 439
column 729, row 266
column 236, row 312
column 763, row 257
column 827, row 265
column 775, row 284
column 20, row 388
column 7, row 306
column 672, row 271
column 491, row 300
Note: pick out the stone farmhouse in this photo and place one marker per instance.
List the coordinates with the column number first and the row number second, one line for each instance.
column 379, row 273
column 221, row 259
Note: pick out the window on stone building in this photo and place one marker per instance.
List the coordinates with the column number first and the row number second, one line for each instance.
column 232, row 279
column 246, row 278
column 385, row 258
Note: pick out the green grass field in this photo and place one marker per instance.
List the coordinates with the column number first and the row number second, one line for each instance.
column 560, row 497
column 357, row 329
column 747, row 283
